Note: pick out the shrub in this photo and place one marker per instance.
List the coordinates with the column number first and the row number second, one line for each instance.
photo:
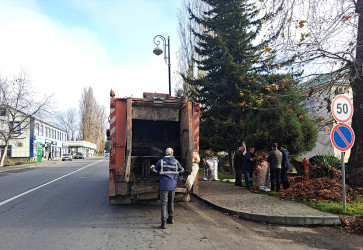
column 323, row 166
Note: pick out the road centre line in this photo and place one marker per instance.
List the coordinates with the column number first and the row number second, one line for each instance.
column 45, row 184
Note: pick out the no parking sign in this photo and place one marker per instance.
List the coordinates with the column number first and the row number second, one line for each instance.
column 342, row 137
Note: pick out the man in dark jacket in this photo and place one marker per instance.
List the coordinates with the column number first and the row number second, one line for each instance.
column 275, row 159
column 285, row 166
column 169, row 169
column 248, row 164
column 238, row 165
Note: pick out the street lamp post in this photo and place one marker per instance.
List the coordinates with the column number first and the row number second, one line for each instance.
column 158, row 51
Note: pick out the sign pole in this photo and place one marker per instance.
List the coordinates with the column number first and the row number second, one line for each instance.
column 342, row 135
column 343, row 182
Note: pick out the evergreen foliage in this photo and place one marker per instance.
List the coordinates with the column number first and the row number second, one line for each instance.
column 277, row 116
column 239, row 101
column 227, row 55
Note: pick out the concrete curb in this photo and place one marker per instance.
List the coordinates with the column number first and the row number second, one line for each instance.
column 332, row 220
column 27, row 166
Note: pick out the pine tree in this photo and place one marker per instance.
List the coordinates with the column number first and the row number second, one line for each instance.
column 227, row 57
column 233, row 91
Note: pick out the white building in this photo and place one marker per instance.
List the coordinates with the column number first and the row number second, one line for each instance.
column 323, row 91
column 49, row 139
column 35, row 138
column 87, row 148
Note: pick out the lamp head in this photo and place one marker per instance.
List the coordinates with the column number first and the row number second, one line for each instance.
column 157, row 51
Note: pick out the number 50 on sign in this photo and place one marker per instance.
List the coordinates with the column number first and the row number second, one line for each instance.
column 342, row 108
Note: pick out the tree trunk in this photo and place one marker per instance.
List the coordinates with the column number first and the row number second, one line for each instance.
column 230, row 159
column 3, row 156
column 355, row 163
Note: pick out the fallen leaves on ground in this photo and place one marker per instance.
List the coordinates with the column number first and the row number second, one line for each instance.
column 354, row 226
column 319, row 189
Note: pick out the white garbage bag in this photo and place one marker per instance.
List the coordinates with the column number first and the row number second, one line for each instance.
column 263, row 176
column 191, row 178
column 212, row 163
column 195, row 168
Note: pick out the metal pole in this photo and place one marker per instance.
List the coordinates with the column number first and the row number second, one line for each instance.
column 343, row 182
column 169, row 65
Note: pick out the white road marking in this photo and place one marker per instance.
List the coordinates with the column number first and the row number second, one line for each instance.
column 45, row 184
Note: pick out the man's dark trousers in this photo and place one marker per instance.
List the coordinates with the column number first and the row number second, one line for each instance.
column 238, row 181
column 248, row 175
column 285, row 181
column 275, row 176
column 167, row 200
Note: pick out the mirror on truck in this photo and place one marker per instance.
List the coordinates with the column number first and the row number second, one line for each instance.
column 108, row 134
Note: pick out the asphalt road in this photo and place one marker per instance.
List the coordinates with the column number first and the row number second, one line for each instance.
column 65, row 206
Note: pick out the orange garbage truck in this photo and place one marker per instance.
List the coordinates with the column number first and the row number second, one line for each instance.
column 140, row 131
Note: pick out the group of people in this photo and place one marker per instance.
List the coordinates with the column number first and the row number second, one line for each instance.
column 169, row 170
column 278, row 165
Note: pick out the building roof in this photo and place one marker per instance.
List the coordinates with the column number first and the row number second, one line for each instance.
column 84, row 144
column 332, row 78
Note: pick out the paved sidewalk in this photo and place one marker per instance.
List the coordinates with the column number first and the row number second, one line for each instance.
column 261, row 207
column 16, row 168
column 238, row 200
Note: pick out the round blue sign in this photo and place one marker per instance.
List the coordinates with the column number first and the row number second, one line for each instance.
column 342, row 137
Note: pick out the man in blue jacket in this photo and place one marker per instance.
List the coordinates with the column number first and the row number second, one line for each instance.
column 285, row 166
column 169, row 169
column 248, row 165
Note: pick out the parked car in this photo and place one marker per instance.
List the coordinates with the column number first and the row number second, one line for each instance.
column 67, row 157
column 79, row 156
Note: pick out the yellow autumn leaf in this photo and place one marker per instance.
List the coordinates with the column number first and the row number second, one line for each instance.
column 301, row 23
column 289, row 20
column 301, row 116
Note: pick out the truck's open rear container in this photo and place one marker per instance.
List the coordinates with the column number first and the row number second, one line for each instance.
column 140, row 131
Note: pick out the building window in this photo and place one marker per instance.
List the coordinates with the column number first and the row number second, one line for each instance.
column 15, row 126
column 37, row 128
column 41, row 130
column 2, row 111
column 8, row 153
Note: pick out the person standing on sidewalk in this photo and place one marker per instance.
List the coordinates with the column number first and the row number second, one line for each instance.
column 238, row 165
column 285, row 166
column 248, row 165
column 169, row 169
column 275, row 159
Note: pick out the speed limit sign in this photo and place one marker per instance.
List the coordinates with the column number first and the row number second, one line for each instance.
column 342, row 108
